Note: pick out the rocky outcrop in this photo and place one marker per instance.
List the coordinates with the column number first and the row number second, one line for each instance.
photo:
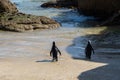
column 12, row 20
column 22, row 22
column 99, row 8
column 113, row 20
column 107, row 10
column 61, row 3
column 7, row 6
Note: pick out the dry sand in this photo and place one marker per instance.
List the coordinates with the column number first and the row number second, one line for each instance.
column 42, row 69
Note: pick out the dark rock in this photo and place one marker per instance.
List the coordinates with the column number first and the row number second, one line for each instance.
column 50, row 4
column 99, row 8
column 61, row 3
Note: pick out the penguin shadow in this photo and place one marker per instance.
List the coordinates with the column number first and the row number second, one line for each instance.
column 44, row 61
column 81, row 58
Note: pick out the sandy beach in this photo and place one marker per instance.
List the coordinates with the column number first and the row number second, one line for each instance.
column 25, row 56
column 43, row 69
column 39, row 68
column 66, row 69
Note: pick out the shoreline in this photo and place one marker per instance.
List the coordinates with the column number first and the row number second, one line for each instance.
column 34, row 63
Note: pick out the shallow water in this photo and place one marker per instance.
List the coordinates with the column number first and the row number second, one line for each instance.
column 67, row 17
column 38, row 43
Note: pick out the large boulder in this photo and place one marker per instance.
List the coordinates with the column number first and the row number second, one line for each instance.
column 12, row 20
column 99, row 8
column 7, row 6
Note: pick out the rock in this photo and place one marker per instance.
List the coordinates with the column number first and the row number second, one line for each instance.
column 50, row 4
column 106, row 10
column 98, row 8
column 113, row 20
column 20, row 22
column 12, row 20
column 7, row 6
column 61, row 3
